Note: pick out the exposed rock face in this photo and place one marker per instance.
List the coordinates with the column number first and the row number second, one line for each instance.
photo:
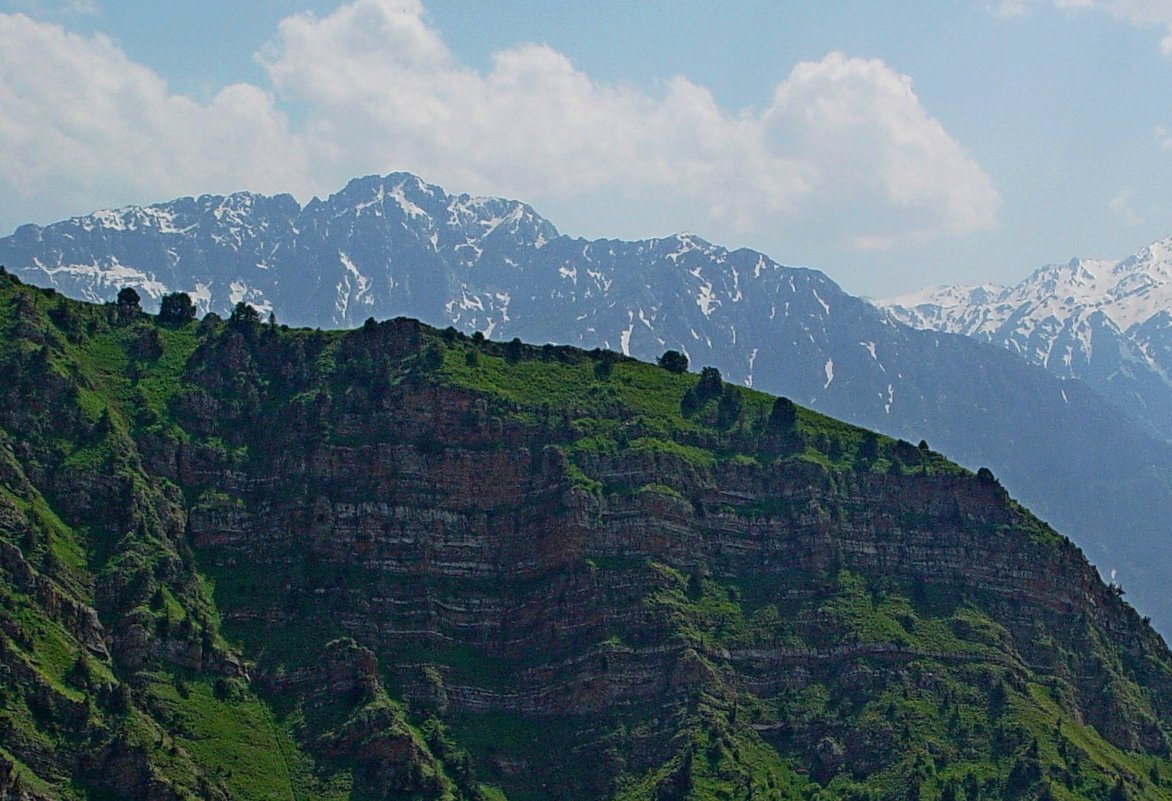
column 433, row 524
column 430, row 562
column 472, row 508
column 394, row 245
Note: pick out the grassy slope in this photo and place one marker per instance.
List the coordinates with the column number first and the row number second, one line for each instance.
column 198, row 738
column 964, row 731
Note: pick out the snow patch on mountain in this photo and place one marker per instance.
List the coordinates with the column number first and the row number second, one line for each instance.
column 825, row 306
column 409, row 208
column 201, row 296
column 625, row 335
column 240, row 292
column 706, row 299
column 105, row 278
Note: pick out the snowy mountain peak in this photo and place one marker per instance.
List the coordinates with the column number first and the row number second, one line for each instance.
column 1098, row 320
column 1128, row 292
column 457, row 223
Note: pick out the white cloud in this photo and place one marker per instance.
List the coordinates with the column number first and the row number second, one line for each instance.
column 82, row 126
column 1137, row 12
column 860, row 131
column 841, row 134
column 844, row 144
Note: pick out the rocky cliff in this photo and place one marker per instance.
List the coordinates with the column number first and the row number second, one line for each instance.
column 385, row 246
column 244, row 561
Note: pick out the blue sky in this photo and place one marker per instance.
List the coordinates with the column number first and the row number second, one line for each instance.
column 891, row 145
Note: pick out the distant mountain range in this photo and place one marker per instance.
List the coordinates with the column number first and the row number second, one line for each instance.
column 394, row 245
column 1107, row 323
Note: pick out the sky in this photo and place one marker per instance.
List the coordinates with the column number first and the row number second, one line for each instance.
column 892, row 145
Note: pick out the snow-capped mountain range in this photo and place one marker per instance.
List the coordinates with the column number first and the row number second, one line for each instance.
column 393, row 245
column 1108, row 323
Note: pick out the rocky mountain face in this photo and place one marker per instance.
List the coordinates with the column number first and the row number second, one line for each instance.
column 243, row 561
column 393, row 245
column 1106, row 323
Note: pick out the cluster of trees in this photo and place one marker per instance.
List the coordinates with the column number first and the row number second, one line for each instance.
column 729, row 404
column 175, row 308
column 711, row 385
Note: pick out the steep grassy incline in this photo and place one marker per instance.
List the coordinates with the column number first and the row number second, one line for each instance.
column 243, row 561
column 115, row 681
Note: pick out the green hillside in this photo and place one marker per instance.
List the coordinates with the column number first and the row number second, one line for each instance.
column 243, row 561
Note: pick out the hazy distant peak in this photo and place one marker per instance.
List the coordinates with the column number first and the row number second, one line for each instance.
column 1103, row 321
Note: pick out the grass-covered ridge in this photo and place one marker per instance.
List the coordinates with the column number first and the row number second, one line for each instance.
column 244, row 561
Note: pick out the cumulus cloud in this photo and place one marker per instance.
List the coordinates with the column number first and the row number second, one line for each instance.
column 859, row 129
column 840, row 134
column 56, row 8
column 82, row 125
column 844, row 143
column 385, row 90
